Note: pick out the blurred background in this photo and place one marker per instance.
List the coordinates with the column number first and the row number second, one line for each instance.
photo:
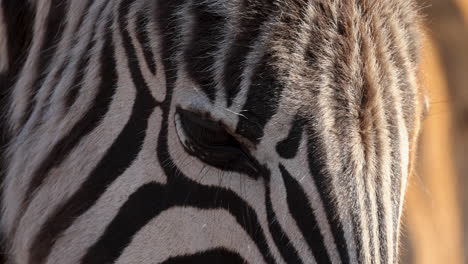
column 436, row 220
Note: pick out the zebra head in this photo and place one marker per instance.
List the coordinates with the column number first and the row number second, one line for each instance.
column 213, row 131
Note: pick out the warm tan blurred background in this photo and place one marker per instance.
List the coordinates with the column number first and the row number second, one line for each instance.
column 436, row 221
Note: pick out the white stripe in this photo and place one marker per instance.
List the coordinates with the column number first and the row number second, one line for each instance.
column 59, row 186
column 87, row 229
column 72, row 58
column 185, row 231
column 412, row 81
column 22, row 91
column 251, row 63
column 278, row 128
column 310, row 188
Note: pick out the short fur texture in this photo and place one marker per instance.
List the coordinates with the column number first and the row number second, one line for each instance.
column 322, row 97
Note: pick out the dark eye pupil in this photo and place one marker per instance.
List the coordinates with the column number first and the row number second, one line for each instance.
column 209, row 141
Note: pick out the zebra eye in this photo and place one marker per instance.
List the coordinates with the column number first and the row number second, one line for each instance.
column 209, row 141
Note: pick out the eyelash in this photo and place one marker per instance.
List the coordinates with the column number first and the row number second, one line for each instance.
column 209, row 141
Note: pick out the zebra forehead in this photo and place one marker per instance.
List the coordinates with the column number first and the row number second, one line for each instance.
column 346, row 53
column 313, row 43
column 357, row 51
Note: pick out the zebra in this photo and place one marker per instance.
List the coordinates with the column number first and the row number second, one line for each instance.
column 209, row 131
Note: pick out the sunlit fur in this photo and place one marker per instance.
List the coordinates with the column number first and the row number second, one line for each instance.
column 323, row 94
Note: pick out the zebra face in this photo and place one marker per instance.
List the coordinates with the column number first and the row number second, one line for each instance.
column 178, row 131
column 302, row 121
column 309, row 120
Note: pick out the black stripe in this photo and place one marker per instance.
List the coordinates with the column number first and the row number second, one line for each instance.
column 142, row 205
column 219, row 255
column 288, row 147
column 4, row 139
column 322, row 180
column 58, row 75
column 206, row 34
column 106, row 89
column 403, row 79
column 164, row 13
column 396, row 176
column 303, row 214
column 143, row 38
column 85, row 57
column 377, row 177
column 52, row 36
column 132, row 58
column 118, row 157
column 18, row 19
column 382, row 230
column 282, row 241
column 153, row 198
column 354, row 213
column 77, row 83
column 394, row 134
column 89, row 121
column 265, row 89
column 262, row 101
column 242, row 45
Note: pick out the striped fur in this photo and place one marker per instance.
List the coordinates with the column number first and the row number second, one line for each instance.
column 320, row 97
